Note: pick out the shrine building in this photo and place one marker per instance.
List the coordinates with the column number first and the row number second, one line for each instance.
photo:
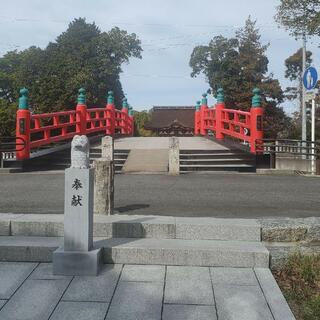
column 172, row 121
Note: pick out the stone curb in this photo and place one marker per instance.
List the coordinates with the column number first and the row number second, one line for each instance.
column 290, row 229
column 272, row 229
column 273, row 295
column 145, row 251
column 119, row 226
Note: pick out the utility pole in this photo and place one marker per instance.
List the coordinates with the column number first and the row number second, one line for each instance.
column 313, row 135
column 303, row 98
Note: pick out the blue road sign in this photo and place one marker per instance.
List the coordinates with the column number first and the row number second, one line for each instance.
column 310, row 78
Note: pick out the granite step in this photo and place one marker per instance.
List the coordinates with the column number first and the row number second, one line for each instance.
column 130, row 226
column 185, row 252
column 145, row 251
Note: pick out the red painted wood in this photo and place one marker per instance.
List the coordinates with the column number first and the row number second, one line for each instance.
column 48, row 128
column 242, row 125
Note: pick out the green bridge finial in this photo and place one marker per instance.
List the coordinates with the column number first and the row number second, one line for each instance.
column 204, row 99
column 110, row 97
column 82, row 96
column 198, row 105
column 125, row 103
column 23, row 100
column 256, row 99
column 130, row 111
column 220, row 95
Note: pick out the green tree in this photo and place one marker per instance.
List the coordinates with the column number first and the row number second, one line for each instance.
column 218, row 62
column 294, row 65
column 299, row 16
column 82, row 56
column 140, row 119
column 294, row 73
column 238, row 65
column 7, row 118
column 276, row 123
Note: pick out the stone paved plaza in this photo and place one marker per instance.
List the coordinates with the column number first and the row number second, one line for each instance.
column 29, row 291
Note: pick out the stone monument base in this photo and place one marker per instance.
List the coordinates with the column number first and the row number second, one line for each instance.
column 77, row 263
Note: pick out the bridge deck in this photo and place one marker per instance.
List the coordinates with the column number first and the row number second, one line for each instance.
column 186, row 143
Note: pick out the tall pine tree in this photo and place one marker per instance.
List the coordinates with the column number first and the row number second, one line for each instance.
column 238, row 65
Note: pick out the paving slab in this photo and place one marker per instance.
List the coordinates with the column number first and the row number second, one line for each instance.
column 80, row 311
column 188, row 312
column 241, row 303
column 124, row 226
column 4, row 227
column 143, row 273
column 185, row 252
column 12, row 275
column 234, row 276
column 44, row 272
column 217, row 229
column 28, row 249
column 188, row 285
column 141, row 293
column 51, row 225
column 48, row 225
column 137, row 300
column 147, row 160
column 186, row 143
column 95, row 289
column 36, row 299
column 273, row 294
column 5, row 223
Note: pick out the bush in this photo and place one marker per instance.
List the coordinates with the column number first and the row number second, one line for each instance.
column 299, row 280
column 312, row 309
column 7, row 119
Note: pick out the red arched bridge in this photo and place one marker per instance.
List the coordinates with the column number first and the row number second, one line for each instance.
column 39, row 135
column 245, row 126
column 38, row 130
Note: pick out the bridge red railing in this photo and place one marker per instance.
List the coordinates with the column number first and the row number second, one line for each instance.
column 242, row 125
column 45, row 129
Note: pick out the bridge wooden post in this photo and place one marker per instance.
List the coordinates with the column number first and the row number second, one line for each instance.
column 124, row 117
column 23, row 125
column 197, row 119
column 218, row 114
column 110, row 115
column 256, row 127
column 203, row 114
column 131, row 122
column 81, row 115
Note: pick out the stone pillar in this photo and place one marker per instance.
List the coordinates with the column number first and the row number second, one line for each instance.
column 174, row 156
column 107, row 146
column 77, row 256
column 104, row 186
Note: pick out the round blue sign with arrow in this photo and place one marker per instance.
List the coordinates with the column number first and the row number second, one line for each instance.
column 310, row 78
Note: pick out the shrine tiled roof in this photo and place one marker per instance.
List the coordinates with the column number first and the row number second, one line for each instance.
column 164, row 116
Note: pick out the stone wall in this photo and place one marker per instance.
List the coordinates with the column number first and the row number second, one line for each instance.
column 286, row 236
column 294, row 164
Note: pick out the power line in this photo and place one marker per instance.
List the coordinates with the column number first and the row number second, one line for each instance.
column 170, row 76
column 62, row 21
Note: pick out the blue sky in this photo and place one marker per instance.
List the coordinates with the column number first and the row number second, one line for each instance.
column 168, row 29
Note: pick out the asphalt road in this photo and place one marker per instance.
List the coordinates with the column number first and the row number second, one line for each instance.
column 216, row 195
